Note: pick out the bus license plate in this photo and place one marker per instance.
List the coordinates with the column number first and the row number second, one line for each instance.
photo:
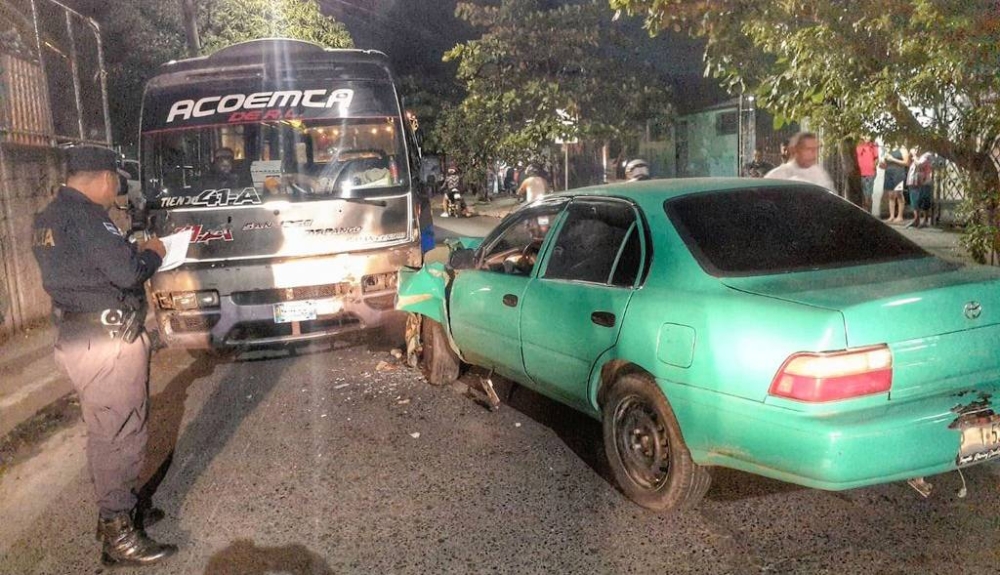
column 290, row 311
column 980, row 443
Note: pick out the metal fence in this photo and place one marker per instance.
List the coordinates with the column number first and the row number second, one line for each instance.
column 52, row 82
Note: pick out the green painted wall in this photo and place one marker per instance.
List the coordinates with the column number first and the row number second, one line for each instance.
column 707, row 144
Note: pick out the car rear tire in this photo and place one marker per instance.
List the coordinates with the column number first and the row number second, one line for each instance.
column 439, row 363
column 645, row 448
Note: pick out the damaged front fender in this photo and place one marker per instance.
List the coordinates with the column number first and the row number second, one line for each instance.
column 424, row 291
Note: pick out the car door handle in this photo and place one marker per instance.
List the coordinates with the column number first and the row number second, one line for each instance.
column 510, row 300
column 603, row 318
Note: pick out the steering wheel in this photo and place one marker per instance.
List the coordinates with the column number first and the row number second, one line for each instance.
column 495, row 261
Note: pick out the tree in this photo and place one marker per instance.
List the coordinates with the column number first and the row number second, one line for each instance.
column 140, row 35
column 921, row 72
column 428, row 98
column 540, row 71
column 225, row 22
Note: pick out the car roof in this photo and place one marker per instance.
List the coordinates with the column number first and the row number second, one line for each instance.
column 658, row 191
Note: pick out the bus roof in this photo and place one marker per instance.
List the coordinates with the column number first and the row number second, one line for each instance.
column 252, row 57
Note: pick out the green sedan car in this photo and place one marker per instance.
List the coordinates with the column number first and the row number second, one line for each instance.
column 762, row 325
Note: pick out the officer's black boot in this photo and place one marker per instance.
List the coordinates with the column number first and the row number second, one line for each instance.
column 125, row 544
column 143, row 516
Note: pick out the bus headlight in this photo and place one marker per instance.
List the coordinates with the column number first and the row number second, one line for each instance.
column 379, row 282
column 188, row 300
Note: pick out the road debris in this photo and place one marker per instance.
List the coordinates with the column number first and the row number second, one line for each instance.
column 415, row 435
column 491, row 392
column 386, row 366
column 413, row 347
column 921, row 485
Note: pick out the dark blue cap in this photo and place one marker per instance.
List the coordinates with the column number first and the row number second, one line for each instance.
column 92, row 159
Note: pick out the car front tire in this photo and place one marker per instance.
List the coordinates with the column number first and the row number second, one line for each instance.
column 645, row 448
column 439, row 363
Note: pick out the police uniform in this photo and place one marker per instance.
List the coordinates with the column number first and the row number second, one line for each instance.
column 95, row 279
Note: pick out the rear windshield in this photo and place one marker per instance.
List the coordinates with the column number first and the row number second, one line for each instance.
column 761, row 231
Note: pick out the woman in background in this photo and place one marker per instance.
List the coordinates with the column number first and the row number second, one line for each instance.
column 895, row 164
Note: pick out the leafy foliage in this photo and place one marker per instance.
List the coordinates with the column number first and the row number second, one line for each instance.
column 428, row 98
column 922, row 72
column 140, row 35
column 542, row 71
column 225, row 22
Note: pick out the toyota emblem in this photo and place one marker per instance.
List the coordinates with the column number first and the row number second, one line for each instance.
column 973, row 309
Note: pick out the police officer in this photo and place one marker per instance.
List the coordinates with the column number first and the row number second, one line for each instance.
column 95, row 278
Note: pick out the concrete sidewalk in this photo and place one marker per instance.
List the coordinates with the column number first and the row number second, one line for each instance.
column 942, row 242
column 30, row 379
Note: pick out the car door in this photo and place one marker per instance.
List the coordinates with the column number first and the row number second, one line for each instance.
column 485, row 302
column 572, row 313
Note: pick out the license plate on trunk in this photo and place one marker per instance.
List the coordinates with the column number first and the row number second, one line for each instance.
column 290, row 311
column 979, row 443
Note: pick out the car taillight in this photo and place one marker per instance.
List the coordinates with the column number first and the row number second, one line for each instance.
column 819, row 377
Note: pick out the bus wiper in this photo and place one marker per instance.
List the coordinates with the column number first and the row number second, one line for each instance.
column 379, row 203
column 366, row 201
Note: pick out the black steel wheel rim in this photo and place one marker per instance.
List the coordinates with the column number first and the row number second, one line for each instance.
column 641, row 443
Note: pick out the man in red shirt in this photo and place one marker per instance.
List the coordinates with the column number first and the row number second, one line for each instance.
column 867, row 153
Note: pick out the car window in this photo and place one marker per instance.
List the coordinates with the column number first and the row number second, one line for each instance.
column 769, row 230
column 513, row 248
column 597, row 236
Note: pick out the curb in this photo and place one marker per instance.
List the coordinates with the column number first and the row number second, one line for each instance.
column 30, row 380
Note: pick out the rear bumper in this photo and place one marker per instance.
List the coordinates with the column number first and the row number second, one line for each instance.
column 831, row 451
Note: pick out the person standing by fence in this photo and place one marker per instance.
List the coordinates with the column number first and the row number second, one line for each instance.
column 867, row 156
column 895, row 164
column 920, row 182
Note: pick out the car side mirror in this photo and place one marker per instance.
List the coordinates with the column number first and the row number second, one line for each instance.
column 462, row 259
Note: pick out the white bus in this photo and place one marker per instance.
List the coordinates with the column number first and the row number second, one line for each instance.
column 297, row 175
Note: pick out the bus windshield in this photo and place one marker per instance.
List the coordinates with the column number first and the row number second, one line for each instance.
column 290, row 159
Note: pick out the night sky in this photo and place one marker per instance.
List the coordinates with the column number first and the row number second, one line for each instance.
column 416, row 33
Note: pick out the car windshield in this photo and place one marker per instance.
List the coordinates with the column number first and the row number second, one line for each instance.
column 290, row 159
column 770, row 230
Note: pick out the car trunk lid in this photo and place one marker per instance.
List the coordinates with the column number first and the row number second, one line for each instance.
column 941, row 321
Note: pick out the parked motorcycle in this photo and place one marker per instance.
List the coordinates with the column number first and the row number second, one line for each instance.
column 456, row 205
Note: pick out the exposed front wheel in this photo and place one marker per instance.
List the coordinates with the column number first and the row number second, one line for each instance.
column 645, row 449
column 439, row 363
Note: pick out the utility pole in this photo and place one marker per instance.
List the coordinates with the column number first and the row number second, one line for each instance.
column 190, row 12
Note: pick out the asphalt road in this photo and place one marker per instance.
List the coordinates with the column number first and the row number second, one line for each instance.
column 329, row 463
column 343, row 461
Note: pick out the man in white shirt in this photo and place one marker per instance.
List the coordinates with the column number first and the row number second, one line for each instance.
column 803, row 166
